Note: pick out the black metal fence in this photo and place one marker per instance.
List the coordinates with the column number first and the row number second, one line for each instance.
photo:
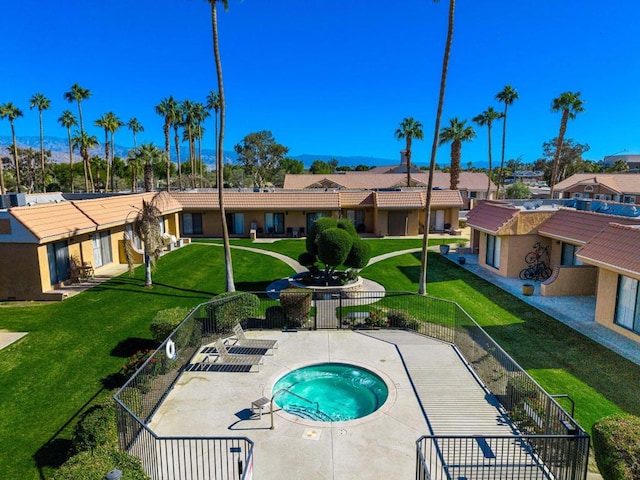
column 549, row 435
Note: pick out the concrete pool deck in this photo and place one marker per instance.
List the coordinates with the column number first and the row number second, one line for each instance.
column 429, row 387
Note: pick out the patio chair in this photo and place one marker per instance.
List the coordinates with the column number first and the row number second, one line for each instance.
column 226, row 358
column 243, row 341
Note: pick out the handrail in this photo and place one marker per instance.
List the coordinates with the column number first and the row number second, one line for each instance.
column 283, row 390
column 564, row 395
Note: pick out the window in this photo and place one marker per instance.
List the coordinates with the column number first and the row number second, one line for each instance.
column 628, row 304
column 131, row 234
column 192, row 223
column 101, row 248
column 602, row 196
column 274, row 223
column 473, row 194
column 357, row 218
column 493, row 251
column 312, row 217
column 235, row 223
column 629, row 199
column 569, row 255
column 58, row 255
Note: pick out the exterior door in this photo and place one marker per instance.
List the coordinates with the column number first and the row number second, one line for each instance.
column 398, row 222
column 439, row 220
column 58, row 256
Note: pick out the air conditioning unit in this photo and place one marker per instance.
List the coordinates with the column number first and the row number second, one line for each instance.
column 13, row 200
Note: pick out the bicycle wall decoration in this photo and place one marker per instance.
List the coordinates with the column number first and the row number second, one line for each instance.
column 537, row 263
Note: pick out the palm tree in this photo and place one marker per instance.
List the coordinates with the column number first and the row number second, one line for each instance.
column 167, row 109
column 409, row 128
column 176, row 122
column 41, row 102
column 570, row 104
column 104, row 122
column 85, row 142
column 213, row 103
column 11, row 112
column 456, row 133
column 200, row 114
column 422, row 283
column 114, row 125
column 135, row 126
column 148, row 154
column 78, row 94
column 507, row 96
column 219, row 146
column 146, row 226
column 68, row 120
column 486, row 118
column 188, row 113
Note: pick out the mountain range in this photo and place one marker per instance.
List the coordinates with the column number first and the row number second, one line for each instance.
column 60, row 153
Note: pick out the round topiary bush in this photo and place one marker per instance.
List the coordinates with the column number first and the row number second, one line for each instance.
column 307, row 259
column 359, row 255
column 96, row 427
column 317, row 227
column 617, row 446
column 334, row 244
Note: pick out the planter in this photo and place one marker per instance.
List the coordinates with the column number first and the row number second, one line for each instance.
column 462, row 260
column 527, row 289
column 444, row 249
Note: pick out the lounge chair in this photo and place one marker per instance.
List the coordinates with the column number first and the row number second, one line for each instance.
column 226, row 358
column 243, row 341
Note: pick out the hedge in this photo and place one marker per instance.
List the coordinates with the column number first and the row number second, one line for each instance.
column 231, row 308
column 95, row 465
column 616, row 443
column 97, row 427
column 296, row 305
column 166, row 322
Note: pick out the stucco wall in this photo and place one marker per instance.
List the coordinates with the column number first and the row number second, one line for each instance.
column 606, row 303
column 571, row 280
column 21, row 279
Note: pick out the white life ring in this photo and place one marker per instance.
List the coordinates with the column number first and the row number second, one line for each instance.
column 170, row 350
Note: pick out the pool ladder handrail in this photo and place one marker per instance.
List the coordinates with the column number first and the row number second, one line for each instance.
column 286, row 390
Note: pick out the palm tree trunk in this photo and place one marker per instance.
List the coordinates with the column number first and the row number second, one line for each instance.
column 504, row 139
column 147, row 269
column 44, row 187
column 70, row 158
column 106, row 157
column 490, row 162
column 176, row 140
column 15, row 157
column 200, row 154
column 113, row 162
column 219, row 155
column 422, row 283
column 167, row 150
column 3, row 190
column 556, row 157
column 454, row 173
column 148, row 178
column 408, row 155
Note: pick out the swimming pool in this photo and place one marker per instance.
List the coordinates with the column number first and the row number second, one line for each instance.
column 330, row 392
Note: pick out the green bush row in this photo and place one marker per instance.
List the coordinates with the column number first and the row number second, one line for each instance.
column 616, row 443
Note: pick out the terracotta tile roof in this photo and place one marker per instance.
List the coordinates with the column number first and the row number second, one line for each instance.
column 296, row 200
column 444, row 198
column 361, row 198
column 475, row 181
column 578, row 226
column 616, row 246
column 492, row 216
column 408, row 200
column 619, row 182
column 117, row 209
column 53, row 220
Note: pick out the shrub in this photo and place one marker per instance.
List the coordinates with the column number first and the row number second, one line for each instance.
column 306, row 259
column 231, row 308
column 95, row 465
column 616, row 446
column 96, row 427
column 166, row 322
column 135, row 361
column 334, row 245
column 400, row 319
column 274, row 316
column 296, row 305
column 359, row 255
column 317, row 227
column 347, row 225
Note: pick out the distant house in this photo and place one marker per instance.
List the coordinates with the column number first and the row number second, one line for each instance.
column 632, row 161
column 615, row 187
column 590, row 254
column 41, row 245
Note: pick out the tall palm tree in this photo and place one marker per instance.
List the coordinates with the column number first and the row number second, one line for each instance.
column 114, row 125
column 85, row 142
column 409, row 129
column 104, row 121
column 78, row 94
column 167, row 109
column 486, row 118
column 200, row 114
column 213, row 103
column 570, row 104
column 68, row 120
column 508, row 95
column 135, row 126
column 148, row 155
column 422, row 283
column 456, row 133
column 188, row 113
column 41, row 102
column 11, row 112
column 176, row 123
column 220, row 144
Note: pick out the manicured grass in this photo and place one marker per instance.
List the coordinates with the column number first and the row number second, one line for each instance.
column 75, row 349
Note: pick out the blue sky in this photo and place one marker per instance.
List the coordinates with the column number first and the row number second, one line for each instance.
column 333, row 77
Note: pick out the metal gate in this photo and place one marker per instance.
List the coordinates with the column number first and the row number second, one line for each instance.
column 328, row 309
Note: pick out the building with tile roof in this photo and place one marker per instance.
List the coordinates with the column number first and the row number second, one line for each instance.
column 589, row 253
column 615, row 187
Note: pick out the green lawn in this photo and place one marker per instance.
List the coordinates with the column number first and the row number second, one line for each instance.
column 75, row 348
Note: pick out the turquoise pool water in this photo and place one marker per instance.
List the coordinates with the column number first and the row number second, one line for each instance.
column 330, row 392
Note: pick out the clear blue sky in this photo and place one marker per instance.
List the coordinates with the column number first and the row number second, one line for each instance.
column 333, row 77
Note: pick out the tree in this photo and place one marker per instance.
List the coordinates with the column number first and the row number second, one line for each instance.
column 78, row 94
column 85, row 142
column 422, row 283
column 409, row 129
column 570, row 104
column 135, row 126
column 148, row 154
column 260, row 156
column 104, row 122
column 518, row 190
column 11, row 112
column 146, row 226
column 291, row 165
column 41, row 102
column 570, row 159
column 114, row 125
column 486, row 118
column 456, row 133
column 220, row 144
column 213, row 103
column 320, row 167
column 168, row 109
column 619, row 166
column 68, row 120
column 507, row 95
column 188, row 112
